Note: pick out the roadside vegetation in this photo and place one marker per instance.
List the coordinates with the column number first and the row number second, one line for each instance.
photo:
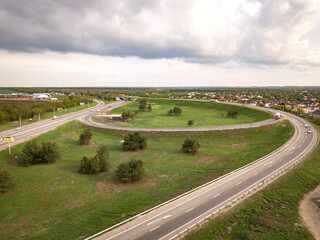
column 203, row 114
column 55, row 201
column 272, row 213
column 15, row 110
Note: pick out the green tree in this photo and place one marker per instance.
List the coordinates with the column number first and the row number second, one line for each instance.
column 6, row 181
column 85, row 137
column 49, row 152
column 149, row 107
column 317, row 121
column 170, row 112
column 190, row 123
column 103, row 155
column 134, row 142
column 190, row 146
column 30, row 153
column 89, row 165
column 131, row 171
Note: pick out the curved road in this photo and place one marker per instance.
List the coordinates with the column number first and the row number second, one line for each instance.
column 169, row 219
column 32, row 130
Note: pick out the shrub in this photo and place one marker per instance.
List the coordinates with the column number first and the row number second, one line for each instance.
column 149, row 107
column 98, row 163
column 143, row 105
column 127, row 115
column 33, row 153
column 134, row 142
column 232, row 114
column 131, row 171
column 317, row 121
column 85, row 137
column 190, row 122
column 49, row 152
column 190, row 146
column 176, row 111
column 6, row 181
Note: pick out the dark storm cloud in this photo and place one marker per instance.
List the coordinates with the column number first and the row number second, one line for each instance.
column 271, row 34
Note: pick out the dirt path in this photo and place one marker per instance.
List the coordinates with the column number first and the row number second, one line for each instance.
column 310, row 212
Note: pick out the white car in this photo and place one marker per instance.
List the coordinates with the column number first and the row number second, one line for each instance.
column 309, row 131
column 98, row 110
column 306, row 126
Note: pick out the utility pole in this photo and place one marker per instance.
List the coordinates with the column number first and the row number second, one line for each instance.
column 65, row 110
column 54, row 112
column 20, row 120
column 39, row 117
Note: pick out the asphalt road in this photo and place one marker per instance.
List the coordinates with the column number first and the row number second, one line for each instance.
column 173, row 217
column 34, row 129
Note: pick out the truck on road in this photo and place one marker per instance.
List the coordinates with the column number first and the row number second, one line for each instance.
column 277, row 116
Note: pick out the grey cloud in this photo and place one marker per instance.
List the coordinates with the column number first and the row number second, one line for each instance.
column 159, row 29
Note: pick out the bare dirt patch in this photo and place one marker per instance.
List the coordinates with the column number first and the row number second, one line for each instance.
column 104, row 188
column 205, row 159
column 310, row 212
column 239, row 145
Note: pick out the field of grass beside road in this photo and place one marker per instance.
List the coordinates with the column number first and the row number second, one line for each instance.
column 204, row 114
column 55, row 202
column 6, row 125
column 272, row 213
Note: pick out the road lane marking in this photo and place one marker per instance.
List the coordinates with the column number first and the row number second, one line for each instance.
column 280, row 159
column 268, row 163
column 270, row 166
column 189, row 210
column 216, row 195
column 298, row 133
column 255, row 174
column 238, row 183
column 154, row 228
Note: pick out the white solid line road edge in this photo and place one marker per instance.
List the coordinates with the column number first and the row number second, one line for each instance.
column 235, row 196
column 192, row 190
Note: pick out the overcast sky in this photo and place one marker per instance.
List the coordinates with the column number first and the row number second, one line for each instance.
column 159, row 43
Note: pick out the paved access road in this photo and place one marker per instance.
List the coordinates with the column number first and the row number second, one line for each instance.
column 34, row 129
column 173, row 217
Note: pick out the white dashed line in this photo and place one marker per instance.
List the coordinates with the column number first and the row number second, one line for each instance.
column 238, row 183
column 189, row 210
column 216, row 195
column 154, row 228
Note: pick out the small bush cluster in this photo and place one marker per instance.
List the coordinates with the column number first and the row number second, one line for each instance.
column 317, row 121
column 98, row 163
column 134, row 142
column 190, row 123
column 131, row 171
column 127, row 115
column 33, row 153
column 85, row 137
column 232, row 114
column 176, row 111
column 143, row 107
column 6, row 181
column 190, row 146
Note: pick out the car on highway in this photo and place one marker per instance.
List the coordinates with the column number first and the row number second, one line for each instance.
column 18, row 128
column 309, row 131
column 98, row 110
column 305, row 125
column 54, row 117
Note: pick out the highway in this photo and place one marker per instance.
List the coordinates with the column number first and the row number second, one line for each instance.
column 177, row 215
column 173, row 217
column 32, row 130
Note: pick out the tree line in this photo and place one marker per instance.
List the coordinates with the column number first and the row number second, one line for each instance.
column 12, row 112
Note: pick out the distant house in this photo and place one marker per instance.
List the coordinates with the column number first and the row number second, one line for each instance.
column 40, row 96
column 316, row 114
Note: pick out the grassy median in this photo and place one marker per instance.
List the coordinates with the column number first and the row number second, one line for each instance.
column 272, row 213
column 204, row 114
column 53, row 201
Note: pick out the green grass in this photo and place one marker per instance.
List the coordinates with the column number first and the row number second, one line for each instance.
column 271, row 213
column 6, row 125
column 55, row 202
column 204, row 114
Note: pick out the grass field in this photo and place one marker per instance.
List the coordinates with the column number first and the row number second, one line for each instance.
column 204, row 114
column 55, row 202
column 271, row 213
